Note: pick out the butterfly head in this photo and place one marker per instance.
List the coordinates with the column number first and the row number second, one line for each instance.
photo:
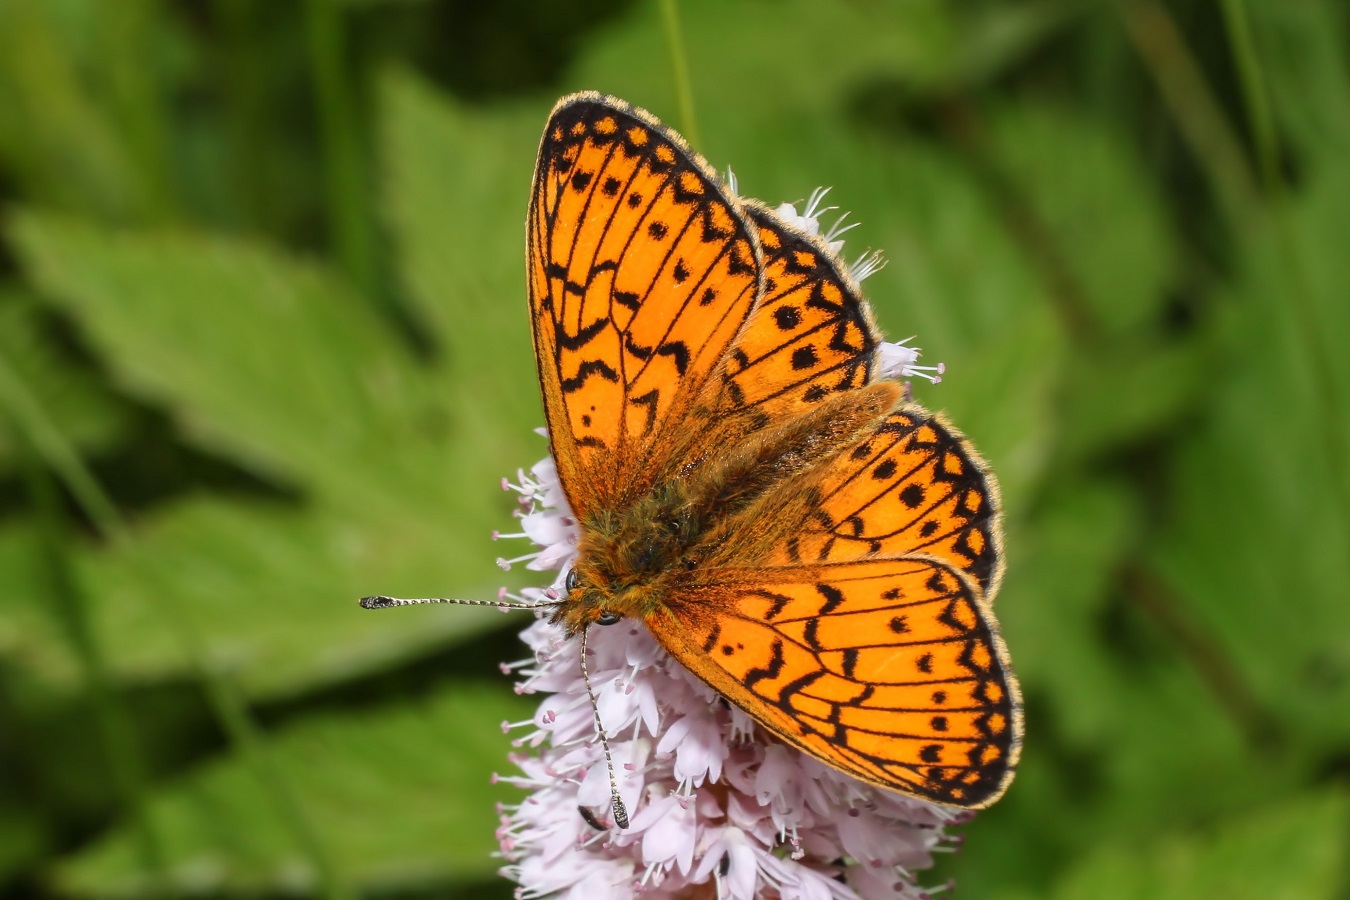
column 623, row 568
column 593, row 599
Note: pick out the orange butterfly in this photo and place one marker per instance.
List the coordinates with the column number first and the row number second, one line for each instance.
column 821, row 551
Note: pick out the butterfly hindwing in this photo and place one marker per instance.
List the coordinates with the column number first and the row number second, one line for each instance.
column 642, row 271
column 811, row 334
column 889, row 669
column 913, row 486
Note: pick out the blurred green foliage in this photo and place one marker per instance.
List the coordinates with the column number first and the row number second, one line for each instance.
column 263, row 349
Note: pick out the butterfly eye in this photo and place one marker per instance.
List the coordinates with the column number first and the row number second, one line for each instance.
column 608, row 618
column 573, row 579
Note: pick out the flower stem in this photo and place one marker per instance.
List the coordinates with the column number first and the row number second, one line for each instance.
column 32, row 422
column 684, row 92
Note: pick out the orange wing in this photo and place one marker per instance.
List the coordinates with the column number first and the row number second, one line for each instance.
column 891, row 670
column 914, row 486
column 811, row 334
column 642, row 271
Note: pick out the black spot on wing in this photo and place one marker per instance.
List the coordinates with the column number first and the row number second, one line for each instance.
column 583, row 336
column 777, row 602
column 741, row 261
column 804, row 357
column 850, row 662
column 586, row 370
column 635, row 348
column 678, row 352
column 833, row 597
column 711, row 641
column 792, row 687
column 648, row 402
column 772, row 670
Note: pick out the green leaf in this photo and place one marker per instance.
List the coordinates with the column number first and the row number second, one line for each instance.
column 23, row 840
column 455, row 196
column 816, row 53
column 1096, row 211
column 270, row 592
column 261, row 357
column 1303, row 59
column 82, row 407
column 1257, row 547
column 1132, row 395
column 56, row 135
column 31, row 635
column 1293, row 849
column 273, row 593
column 279, row 366
column 1056, row 595
column 401, row 796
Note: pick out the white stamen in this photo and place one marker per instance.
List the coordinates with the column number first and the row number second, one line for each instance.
column 867, row 265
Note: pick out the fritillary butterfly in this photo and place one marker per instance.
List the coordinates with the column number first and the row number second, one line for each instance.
column 817, row 548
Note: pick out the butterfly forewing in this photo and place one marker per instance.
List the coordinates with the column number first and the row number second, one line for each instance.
column 890, row 669
column 642, row 272
column 811, row 333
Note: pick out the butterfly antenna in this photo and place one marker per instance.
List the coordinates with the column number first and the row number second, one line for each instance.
column 388, row 602
column 620, row 812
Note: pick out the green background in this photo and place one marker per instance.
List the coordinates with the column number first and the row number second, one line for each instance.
column 263, row 350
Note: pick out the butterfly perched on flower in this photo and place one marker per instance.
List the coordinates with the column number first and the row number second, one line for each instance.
column 821, row 551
